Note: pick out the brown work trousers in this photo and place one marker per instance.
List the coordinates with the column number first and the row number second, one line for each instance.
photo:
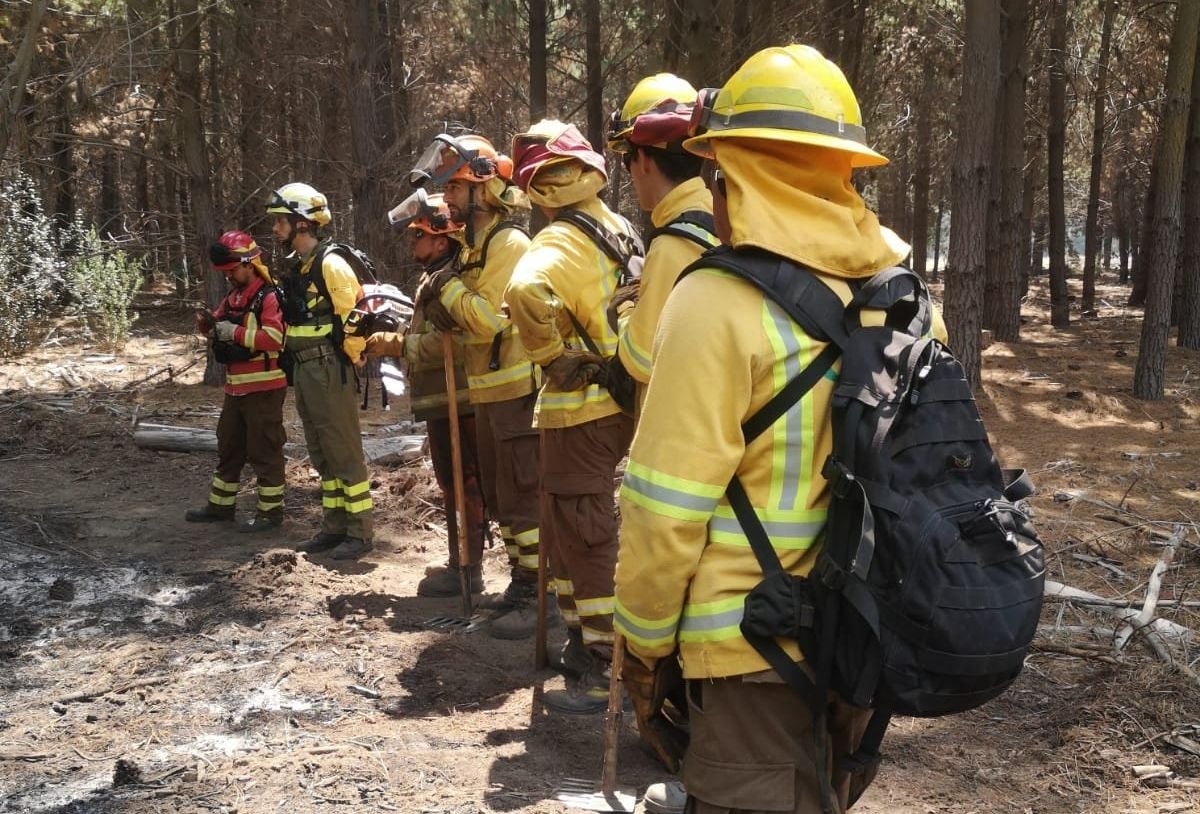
column 250, row 430
column 508, row 463
column 441, row 453
column 752, row 749
column 579, row 522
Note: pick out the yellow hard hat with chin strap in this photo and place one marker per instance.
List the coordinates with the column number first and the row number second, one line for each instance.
column 791, row 94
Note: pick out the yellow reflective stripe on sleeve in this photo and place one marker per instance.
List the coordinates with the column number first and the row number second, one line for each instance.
column 320, row 329
column 572, row 400
column 596, row 606
column 645, row 632
column 639, row 359
column 225, row 485
column 496, row 378
column 455, row 290
column 712, row 621
column 670, row 496
column 791, row 530
column 275, row 334
column 358, row 497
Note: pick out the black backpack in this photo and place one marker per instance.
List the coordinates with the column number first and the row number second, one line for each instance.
column 928, row 586
column 695, row 225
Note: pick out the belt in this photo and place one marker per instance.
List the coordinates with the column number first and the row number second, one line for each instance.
column 309, row 354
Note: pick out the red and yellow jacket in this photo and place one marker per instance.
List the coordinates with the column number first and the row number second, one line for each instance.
column 263, row 334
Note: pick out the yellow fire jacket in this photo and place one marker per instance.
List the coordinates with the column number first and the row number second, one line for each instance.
column 344, row 293
column 474, row 300
column 565, row 269
column 665, row 258
column 721, row 352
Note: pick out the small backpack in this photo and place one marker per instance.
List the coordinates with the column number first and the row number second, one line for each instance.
column 928, row 586
column 230, row 352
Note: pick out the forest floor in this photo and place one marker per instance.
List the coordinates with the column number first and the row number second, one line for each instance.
column 151, row 665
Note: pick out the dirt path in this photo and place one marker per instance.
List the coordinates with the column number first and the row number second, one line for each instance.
column 150, row 665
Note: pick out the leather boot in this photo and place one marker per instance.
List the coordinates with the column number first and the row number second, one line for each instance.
column 519, row 619
column 588, row 696
column 665, row 798
column 351, row 548
column 262, row 522
column 445, row 582
column 324, row 541
column 573, row 660
column 209, row 513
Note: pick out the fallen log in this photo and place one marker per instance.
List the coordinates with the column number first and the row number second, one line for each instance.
column 393, row 450
column 1067, row 593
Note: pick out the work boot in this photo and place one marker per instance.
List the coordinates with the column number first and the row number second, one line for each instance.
column 588, row 696
column 444, row 582
column 513, row 596
column 574, row 660
column 209, row 513
column 665, row 798
column 351, row 548
column 260, row 523
column 519, row 620
column 324, row 541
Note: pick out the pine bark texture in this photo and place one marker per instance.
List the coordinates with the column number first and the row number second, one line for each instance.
column 1150, row 371
column 1092, row 230
column 971, row 176
column 1056, row 140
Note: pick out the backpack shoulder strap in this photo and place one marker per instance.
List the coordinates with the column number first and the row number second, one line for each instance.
column 695, row 225
column 337, row 336
column 619, row 251
column 487, row 241
column 364, row 268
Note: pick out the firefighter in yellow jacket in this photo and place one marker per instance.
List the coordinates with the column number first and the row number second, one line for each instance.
column 467, row 296
column 648, row 134
column 558, row 296
column 436, row 241
column 324, row 355
column 785, row 133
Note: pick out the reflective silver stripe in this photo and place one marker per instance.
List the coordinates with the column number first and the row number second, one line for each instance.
column 712, row 621
column 672, row 497
column 793, row 423
column 642, row 633
column 776, row 529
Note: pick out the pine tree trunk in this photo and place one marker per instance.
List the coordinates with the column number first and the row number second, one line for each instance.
column 537, row 60
column 251, row 143
column 1091, row 236
column 367, row 61
column 937, row 235
column 12, row 90
column 1056, row 138
column 195, row 155
column 594, row 75
column 920, row 215
column 1002, row 308
column 968, row 227
column 1145, row 236
column 1189, row 266
column 1150, row 370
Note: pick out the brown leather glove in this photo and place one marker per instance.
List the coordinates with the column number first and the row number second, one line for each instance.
column 437, row 314
column 384, row 344
column 574, row 369
column 623, row 300
column 648, row 689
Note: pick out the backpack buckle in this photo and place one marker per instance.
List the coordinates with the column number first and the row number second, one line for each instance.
column 833, row 576
column 839, row 476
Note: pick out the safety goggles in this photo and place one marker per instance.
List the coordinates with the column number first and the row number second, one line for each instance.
column 224, row 258
column 442, row 160
column 415, row 206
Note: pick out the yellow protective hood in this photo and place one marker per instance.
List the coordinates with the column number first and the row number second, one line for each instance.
column 564, row 182
column 260, row 268
column 798, row 201
column 500, row 194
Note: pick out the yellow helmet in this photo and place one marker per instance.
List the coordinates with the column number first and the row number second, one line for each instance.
column 784, row 94
column 301, row 200
column 646, row 95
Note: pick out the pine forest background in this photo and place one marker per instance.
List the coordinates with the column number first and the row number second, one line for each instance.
column 1027, row 137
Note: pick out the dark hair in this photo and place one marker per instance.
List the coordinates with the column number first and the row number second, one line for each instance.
column 677, row 167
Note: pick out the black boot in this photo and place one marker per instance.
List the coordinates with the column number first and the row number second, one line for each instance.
column 322, row 542
column 209, row 514
column 351, row 548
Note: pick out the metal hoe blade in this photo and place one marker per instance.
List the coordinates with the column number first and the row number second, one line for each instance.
column 455, row 624
column 580, row 793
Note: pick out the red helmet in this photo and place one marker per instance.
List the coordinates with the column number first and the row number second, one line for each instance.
column 231, row 249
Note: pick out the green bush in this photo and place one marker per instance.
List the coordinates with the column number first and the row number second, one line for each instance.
column 33, row 287
column 103, row 282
